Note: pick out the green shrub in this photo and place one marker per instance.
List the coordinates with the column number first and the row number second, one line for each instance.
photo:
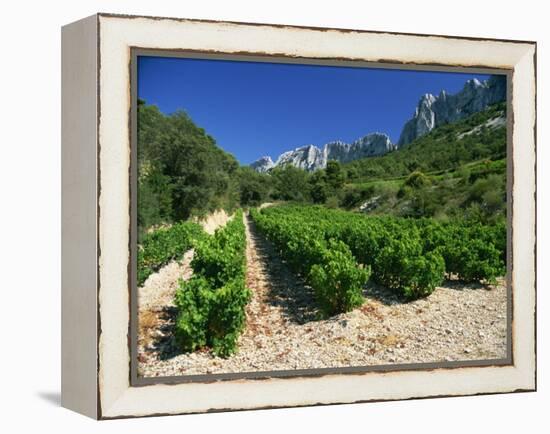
column 365, row 240
column 227, row 316
column 303, row 251
column 423, row 274
column 417, row 179
column 473, row 259
column 404, row 192
column 337, row 280
column 401, row 266
column 193, row 303
column 219, row 258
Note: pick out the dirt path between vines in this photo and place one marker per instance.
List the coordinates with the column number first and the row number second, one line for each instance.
column 455, row 323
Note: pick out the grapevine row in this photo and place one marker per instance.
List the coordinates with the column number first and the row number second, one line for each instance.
column 410, row 256
column 328, row 265
column 211, row 305
column 163, row 245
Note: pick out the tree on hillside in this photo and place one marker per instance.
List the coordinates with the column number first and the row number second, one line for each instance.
column 319, row 189
column 181, row 170
column 253, row 186
column 335, row 175
column 290, row 183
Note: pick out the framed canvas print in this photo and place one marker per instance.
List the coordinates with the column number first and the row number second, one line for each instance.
column 261, row 216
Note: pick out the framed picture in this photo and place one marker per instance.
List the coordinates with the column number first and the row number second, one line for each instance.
column 261, row 216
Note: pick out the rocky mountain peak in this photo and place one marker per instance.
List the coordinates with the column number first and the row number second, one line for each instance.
column 432, row 111
column 427, row 99
column 474, row 82
column 263, row 164
column 312, row 158
column 307, row 157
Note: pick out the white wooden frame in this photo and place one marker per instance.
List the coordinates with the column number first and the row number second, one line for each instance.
column 96, row 215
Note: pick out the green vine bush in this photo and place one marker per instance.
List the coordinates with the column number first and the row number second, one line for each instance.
column 211, row 305
column 165, row 244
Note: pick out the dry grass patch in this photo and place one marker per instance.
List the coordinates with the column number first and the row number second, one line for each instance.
column 389, row 340
column 148, row 321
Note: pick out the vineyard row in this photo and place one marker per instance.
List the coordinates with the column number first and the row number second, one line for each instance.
column 336, row 251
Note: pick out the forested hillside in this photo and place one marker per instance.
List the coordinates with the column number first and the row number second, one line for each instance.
column 456, row 170
column 445, row 148
column 182, row 172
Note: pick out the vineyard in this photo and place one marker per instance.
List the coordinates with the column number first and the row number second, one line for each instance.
column 277, row 285
column 336, row 251
column 378, row 251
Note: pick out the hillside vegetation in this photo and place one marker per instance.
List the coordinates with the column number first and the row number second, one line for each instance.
column 182, row 172
column 445, row 148
column 457, row 170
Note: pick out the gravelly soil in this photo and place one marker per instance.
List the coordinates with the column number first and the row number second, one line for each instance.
column 455, row 323
column 156, row 302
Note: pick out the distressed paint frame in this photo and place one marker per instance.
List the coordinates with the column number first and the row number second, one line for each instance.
column 107, row 335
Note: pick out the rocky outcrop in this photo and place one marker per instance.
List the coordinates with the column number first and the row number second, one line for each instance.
column 308, row 157
column 433, row 111
column 430, row 112
column 371, row 145
column 263, row 164
column 312, row 158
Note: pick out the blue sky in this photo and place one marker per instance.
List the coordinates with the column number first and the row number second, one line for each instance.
column 254, row 108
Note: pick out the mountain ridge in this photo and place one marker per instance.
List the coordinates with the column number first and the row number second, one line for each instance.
column 430, row 112
column 311, row 158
